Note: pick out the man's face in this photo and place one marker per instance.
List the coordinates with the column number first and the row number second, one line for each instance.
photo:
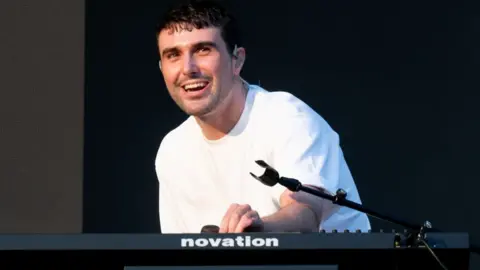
column 196, row 67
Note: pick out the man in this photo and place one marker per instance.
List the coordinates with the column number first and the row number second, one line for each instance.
column 203, row 165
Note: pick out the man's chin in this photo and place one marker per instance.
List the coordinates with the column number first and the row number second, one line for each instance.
column 199, row 108
column 197, row 111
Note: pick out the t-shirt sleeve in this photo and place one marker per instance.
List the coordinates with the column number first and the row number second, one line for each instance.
column 166, row 203
column 306, row 148
column 166, row 208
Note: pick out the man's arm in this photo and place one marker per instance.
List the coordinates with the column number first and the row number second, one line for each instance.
column 299, row 212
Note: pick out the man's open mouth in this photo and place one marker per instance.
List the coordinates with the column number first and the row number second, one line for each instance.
column 197, row 86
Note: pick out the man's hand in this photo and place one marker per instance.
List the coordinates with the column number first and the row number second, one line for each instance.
column 239, row 217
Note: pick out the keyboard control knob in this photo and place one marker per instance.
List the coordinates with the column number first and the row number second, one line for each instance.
column 358, row 231
column 322, row 231
column 346, row 231
column 334, row 231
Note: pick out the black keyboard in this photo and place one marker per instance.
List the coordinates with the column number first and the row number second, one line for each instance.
column 274, row 241
column 348, row 250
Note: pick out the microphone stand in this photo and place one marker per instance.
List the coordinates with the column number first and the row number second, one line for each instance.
column 414, row 237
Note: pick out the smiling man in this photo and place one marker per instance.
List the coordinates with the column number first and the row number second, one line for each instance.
column 203, row 165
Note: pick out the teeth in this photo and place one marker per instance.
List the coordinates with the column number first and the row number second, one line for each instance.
column 195, row 85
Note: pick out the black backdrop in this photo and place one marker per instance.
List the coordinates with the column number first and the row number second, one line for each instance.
column 395, row 79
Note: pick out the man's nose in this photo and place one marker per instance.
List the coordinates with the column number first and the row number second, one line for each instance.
column 190, row 65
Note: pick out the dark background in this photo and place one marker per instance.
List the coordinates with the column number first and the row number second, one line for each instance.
column 397, row 81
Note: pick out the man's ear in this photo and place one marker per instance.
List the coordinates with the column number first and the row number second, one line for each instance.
column 239, row 59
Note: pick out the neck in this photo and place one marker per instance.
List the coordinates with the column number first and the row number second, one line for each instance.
column 221, row 121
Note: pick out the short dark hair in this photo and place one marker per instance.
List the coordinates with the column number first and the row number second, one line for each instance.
column 202, row 14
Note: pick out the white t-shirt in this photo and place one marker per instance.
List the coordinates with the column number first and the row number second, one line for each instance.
column 199, row 179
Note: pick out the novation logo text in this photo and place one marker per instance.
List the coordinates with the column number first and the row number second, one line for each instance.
column 239, row 241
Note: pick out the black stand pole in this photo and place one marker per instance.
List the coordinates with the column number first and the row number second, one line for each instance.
column 415, row 237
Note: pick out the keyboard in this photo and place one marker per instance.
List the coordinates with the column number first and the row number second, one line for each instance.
column 373, row 250
column 274, row 241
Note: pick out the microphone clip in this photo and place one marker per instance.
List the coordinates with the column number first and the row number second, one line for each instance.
column 270, row 177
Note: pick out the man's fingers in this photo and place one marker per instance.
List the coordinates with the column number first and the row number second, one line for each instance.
column 226, row 218
column 236, row 216
column 247, row 220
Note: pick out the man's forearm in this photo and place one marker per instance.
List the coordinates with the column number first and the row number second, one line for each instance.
column 295, row 217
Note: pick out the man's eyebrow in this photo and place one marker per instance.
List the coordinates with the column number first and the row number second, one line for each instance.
column 169, row 50
column 194, row 46
column 205, row 44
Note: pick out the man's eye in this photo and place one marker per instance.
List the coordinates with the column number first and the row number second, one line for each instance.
column 172, row 55
column 203, row 50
